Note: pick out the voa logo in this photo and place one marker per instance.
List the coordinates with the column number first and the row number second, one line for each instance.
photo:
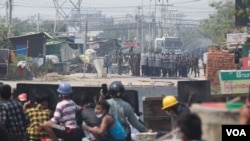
column 236, row 132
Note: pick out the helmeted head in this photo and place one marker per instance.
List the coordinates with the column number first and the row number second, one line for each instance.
column 116, row 89
column 168, row 104
column 64, row 88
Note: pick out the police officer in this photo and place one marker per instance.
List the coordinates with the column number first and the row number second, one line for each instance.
column 167, row 64
column 121, row 109
column 177, row 64
column 164, row 64
column 119, row 62
column 183, row 65
column 171, row 64
column 144, row 63
column 151, row 63
column 157, row 62
column 137, row 62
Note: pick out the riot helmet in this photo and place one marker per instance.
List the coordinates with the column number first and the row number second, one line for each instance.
column 116, row 89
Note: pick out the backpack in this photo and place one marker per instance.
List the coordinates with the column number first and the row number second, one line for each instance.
column 117, row 131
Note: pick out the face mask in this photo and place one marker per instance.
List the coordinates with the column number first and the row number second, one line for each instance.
column 99, row 115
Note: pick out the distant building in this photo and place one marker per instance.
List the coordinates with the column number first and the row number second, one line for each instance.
column 95, row 19
column 31, row 45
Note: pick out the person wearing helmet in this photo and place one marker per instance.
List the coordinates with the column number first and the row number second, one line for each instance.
column 63, row 124
column 173, row 107
column 121, row 109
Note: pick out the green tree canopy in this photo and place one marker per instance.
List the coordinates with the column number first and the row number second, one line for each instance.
column 222, row 22
column 4, row 41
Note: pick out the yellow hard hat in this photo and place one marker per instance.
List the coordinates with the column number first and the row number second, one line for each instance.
column 168, row 101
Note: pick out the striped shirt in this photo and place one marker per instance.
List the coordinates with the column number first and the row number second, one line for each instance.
column 65, row 113
column 13, row 117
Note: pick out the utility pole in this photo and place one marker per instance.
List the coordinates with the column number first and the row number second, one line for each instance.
column 142, row 34
column 37, row 24
column 7, row 14
column 155, row 20
column 162, row 18
column 85, row 47
column 10, row 12
column 55, row 22
column 10, row 18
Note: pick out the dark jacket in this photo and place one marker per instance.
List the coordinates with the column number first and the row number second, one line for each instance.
column 181, row 109
column 88, row 115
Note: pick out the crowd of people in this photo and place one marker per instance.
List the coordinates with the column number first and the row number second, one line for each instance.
column 155, row 64
column 109, row 119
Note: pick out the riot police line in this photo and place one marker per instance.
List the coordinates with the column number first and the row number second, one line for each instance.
column 164, row 64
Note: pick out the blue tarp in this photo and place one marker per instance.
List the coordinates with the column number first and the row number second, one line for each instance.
column 21, row 50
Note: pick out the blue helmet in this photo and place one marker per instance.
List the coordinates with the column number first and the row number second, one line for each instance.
column 64, row 88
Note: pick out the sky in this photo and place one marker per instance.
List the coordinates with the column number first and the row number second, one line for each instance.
column 192, row 9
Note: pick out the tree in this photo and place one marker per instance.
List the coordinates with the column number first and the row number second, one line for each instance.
column 220, row 23
column 21, row 27
column 48, row 26
column 4, row 41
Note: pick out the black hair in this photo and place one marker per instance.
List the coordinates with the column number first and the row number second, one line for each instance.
column 104, row 104
column 190, row 125
column 85, row 99
column 41, row 97
column 5, row 91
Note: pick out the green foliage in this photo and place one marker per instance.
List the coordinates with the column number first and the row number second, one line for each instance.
column 48, row 26
column 46, row 67
column 21, row 27
column 220, row 23
column 12, row 70
column 4, row 41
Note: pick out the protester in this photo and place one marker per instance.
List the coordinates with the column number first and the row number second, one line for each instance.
column 63, row 124
column 37, row 115
column 190, row 127
column 110, row 128
column 88, row 115
column 12, row 115
column 121, row 109
column 173, row 107
column 88, row 111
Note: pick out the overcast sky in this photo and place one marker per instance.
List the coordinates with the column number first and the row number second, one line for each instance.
column 193, row 9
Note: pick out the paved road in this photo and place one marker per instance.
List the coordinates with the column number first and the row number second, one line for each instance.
column 93, row 80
